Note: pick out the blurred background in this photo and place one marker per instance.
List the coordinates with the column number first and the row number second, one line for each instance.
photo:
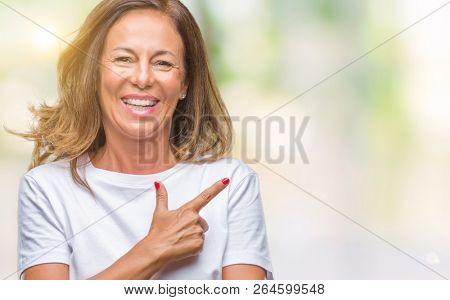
column 369, row 199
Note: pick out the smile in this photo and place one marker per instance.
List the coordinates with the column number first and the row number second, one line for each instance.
column 140, row 102
column 139, row 107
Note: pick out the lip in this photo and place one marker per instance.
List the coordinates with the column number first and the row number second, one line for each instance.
column 140, row 96
column 140, row 113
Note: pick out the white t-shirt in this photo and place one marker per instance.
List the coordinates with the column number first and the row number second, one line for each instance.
column 61, row 222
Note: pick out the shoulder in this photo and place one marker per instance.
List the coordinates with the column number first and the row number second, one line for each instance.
column 50, row 173
column 37, row 187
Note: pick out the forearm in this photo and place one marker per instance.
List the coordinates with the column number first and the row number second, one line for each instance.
column 141, row 262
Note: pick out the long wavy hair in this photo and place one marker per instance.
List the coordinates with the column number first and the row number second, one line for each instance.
column 73, row 126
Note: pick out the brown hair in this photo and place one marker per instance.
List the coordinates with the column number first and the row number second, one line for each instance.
column 73, row 126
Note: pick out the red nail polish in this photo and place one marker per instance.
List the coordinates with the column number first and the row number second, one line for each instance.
column 225, row 180
column 156, row 184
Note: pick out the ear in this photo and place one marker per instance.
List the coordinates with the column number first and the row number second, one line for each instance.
column 183, row 92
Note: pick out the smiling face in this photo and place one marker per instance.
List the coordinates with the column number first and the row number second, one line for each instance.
column 142, row 74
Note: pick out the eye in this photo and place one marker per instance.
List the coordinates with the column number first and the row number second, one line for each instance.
column 163, row 65
column 123, row 59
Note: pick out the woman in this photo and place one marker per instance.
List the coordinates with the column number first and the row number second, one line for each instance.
column 138, row 140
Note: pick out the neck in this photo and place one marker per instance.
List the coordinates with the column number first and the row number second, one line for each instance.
column 135, row 156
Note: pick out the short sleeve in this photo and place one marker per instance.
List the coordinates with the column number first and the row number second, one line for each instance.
column 247, row 238
column 41, row 236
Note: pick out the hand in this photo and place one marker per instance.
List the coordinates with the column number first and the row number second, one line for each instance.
column 177, row 234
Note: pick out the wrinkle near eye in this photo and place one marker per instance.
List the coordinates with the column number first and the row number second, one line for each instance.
column 110, row 60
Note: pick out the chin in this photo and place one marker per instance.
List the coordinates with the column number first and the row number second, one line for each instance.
column 139, row 130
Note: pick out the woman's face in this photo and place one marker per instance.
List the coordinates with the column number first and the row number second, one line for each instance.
column 142, row 74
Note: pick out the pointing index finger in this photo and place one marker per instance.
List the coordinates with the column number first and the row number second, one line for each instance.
column 207, row 195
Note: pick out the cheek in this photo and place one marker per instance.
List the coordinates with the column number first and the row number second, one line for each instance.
column 171, row 84
column 109, row 82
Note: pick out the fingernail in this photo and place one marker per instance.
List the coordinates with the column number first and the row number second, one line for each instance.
column 156, row 184
column 225, row 180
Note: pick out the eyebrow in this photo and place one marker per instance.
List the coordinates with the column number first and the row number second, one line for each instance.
column 159, row 52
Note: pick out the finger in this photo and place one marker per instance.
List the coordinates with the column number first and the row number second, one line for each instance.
column 191, row 233
column 207, row 195
column 204, row 225
column 161, row 197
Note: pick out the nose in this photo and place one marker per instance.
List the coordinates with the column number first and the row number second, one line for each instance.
column 143, row 76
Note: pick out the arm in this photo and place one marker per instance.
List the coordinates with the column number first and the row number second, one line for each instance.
column 246, row 254
column 243, row 272
column 52, row 271
column 138, row 263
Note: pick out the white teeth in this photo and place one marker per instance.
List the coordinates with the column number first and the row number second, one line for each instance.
column 140, row 102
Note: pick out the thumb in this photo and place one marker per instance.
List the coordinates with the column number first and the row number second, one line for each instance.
column 161, row 196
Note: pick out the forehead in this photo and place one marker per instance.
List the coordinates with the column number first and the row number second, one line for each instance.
column 143, row 30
